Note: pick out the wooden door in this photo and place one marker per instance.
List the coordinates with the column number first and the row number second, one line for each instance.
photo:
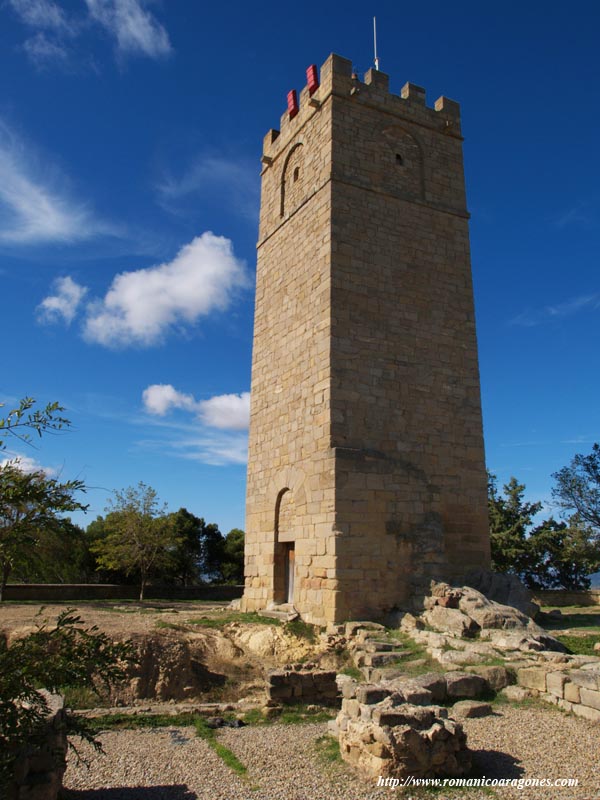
column 289, row 573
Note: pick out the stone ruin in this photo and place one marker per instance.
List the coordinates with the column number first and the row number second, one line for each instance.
column 399, row 730
column 302, row 683
column 397, row 726
column 40, row 766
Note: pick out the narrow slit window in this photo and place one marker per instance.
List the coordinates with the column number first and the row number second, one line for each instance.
column 399, row 159
column 296, row 174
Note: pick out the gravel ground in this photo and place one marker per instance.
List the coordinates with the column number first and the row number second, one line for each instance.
column 173, row 764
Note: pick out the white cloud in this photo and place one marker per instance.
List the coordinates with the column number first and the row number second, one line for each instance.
column 28, row 464
column 218, row 434
column 141, row 307
column 225, row 411
column 578, row 216
column 216, row 450
column 63, row 305
column 43, row 51
column 228, row 411
column 32, row 209
column 135, row 29
column 162, row 397
column 234, row 181
column 41, row 14
column 568, row 308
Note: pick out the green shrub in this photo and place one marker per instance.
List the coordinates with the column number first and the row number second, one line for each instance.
column 67, row 655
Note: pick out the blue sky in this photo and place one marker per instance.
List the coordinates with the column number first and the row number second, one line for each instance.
column 130, row 139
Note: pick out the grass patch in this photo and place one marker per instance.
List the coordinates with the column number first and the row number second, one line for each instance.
column 581, row 617
column 290, row 715
column 232, row 616
column 121, row 722
column 297, row 715
column 417, row 652
column 328, row 749
column 535, row 703
column 301, row 630
column 77, row 697
column 225, row 754
column 581, row 645
column 352, row 672
column 210, row 735
column 170, row 626
column 492, row 661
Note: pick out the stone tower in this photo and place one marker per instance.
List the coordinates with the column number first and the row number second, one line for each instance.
column 366, row 473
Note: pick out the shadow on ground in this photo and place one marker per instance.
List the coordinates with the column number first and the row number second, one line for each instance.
column 572, row 617
column 175, row 792
column 495, row 764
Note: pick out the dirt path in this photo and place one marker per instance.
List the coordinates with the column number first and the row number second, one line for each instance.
column 113, row 617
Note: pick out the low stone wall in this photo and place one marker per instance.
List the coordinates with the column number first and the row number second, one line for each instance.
column 575, row 690
column 40, row 768
column 57, row 592
column 561, row 597
column 302, row 685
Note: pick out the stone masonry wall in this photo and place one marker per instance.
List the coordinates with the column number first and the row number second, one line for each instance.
column 406, row 414
column 40, row 767
column 290, row 491
column 575, row 690
column 302, row 685
column 366, row 446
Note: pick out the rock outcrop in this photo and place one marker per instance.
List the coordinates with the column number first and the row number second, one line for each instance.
column 466, row 613
column 503, row 588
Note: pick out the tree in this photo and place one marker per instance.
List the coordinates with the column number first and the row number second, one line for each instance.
column 510, row 518
column 199, row 552
column 551, row 555
column 22, row 419
column 56, row 657
column 61, row 556
column 140, row 536
column 29, row 506
column 562, row 556
column 578, row 488
column 233, row 557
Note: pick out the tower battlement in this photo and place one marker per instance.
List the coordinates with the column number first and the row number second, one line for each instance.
column 337, row 78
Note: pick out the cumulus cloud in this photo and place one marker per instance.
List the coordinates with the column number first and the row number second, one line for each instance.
column 63, row 305
column 230, row 411
column 32, row 208
column 140, row 307
column 162, row 397
column 135, row 29
column 225, row 411
column 217, row 435
column 28, row 464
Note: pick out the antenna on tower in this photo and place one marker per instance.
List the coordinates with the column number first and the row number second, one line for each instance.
column 375, row 43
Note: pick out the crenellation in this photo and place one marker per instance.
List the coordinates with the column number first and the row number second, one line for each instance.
column 413, row 93
column 377, row 80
